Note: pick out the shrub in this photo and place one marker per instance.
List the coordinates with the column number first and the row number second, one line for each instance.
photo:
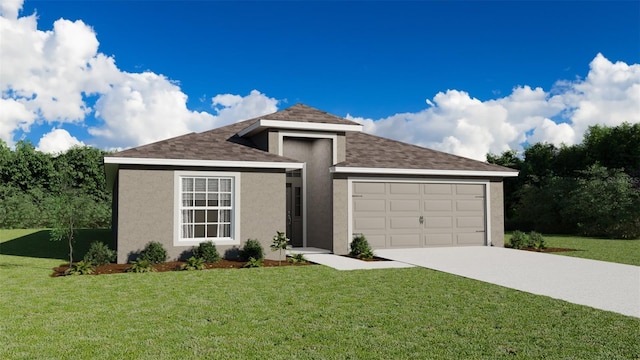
column 99, row 254
column 252, row 249
column 193, row 263
column 253, row 263
column 207, row 252
column 537, row 241
column 360, row 248
column 154, row 253
column 80, row 268
column 141, row 266
column 297, row 258
column 518, row 240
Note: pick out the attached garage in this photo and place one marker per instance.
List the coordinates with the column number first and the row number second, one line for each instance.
column 399, row 214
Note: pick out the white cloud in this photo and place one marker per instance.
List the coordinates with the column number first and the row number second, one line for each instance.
column 46, row 77
column 58, row 141
column 458, row 123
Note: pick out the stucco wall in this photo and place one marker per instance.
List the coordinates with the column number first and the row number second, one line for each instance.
column 317, row 154
column 146, row 211
column 497, row 213
column 263, row 208
column 340, row 216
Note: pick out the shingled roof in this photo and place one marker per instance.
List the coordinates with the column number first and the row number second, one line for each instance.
column 362, row 150
column 370, row 151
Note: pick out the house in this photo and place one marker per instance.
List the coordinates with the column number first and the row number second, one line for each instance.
column 316, row 176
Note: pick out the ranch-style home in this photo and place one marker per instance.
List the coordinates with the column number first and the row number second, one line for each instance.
column 316, row 176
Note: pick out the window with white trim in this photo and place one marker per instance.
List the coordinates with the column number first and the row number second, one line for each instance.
column 206, row 208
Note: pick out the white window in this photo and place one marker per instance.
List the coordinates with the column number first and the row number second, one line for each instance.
column 206, row 207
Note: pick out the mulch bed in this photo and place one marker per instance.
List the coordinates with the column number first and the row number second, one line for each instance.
column 375, row 258
column 174, row 266
column 549, row 250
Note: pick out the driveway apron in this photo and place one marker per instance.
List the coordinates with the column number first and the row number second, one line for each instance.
column 599, row 284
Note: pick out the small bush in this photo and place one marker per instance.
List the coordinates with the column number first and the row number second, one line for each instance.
column 207, row 252
column 154, row 253
column 141, row 266
column 193, row 263
column 253, row 263
column 99, row 254
column 297, row 259
column 537, row 241
column 360, row 248
column 252, row 249
column 80, row 268
column 518, row 240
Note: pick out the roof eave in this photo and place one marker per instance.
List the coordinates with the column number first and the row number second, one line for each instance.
column 432, row 172
column 264, row 124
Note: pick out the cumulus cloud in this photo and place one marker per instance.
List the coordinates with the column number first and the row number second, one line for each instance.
column 46, row 77
column 456, row 122
column 58, row 141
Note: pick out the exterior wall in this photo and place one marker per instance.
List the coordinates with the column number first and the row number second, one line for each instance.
column 146, row 212
column 497, row 213
column 263, row 208
column 340, row 216
column 317, row 154
column 342, row 148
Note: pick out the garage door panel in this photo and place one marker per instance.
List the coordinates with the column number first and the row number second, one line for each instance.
column 405, row 240
column 439, row 222
column 470, row 205
column 438, row 205
column 404, row 189
column 404, row 205
column 369, row 223
column 475, row 222
column 377, row 240
column 369, row 205
column 470, row 189
column 438, row 239
column 410, row 222
column 471, row 238
column 369, row 188
column 437, row 189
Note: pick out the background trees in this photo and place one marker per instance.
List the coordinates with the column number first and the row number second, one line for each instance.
column 33, row 185
column 590, row 189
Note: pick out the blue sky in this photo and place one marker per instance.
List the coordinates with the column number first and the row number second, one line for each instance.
column 468, row 77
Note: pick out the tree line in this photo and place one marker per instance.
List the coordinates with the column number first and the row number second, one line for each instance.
column 39, row 190
column 591, row 189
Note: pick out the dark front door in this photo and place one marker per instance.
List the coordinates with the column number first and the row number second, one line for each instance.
column 294, row 211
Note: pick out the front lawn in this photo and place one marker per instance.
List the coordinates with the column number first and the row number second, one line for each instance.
column 310, row 312
column 619, row 251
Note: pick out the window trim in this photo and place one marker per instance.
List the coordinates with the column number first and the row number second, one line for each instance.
column 235, row 207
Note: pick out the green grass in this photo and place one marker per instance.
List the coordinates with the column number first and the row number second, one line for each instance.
column 619, row 251
column 308, row 312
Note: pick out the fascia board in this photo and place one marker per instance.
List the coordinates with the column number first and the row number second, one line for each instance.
column 396, row 171
column 207, row 163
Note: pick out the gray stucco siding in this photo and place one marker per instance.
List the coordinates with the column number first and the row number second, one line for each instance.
column 146, row 211
column 497, row 213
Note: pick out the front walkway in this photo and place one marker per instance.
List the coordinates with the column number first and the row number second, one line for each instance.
column 338, row 262
column 599, row 284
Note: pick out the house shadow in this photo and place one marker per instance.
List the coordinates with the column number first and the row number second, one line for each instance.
column 40, row 245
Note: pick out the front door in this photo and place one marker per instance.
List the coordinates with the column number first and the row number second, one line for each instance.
column 294, row 208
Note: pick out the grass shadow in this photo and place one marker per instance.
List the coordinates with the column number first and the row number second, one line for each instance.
column 39, row 244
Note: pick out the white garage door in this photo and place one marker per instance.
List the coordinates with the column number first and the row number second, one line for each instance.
column 401, row 215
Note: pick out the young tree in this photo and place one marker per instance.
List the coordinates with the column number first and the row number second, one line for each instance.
column 280, row 242
column 70, row 211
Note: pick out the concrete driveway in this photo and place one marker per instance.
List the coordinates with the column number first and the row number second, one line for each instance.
column 599, row 284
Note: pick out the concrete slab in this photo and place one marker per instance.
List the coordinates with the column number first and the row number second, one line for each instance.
column 599, row 284
column 326, row 258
